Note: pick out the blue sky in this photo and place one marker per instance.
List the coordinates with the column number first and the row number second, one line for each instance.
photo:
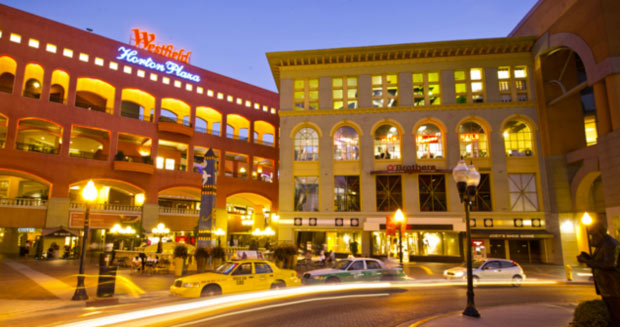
column 231, row 37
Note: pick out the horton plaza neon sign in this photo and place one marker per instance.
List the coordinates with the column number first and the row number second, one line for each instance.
column 169, row 67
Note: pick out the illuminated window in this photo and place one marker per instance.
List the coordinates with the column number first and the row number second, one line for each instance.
column 140, row 73
column 384, row 90
column 200, row 90
column 50, row 48
column 248, row 103
column 159, row 163
column 428, row 142
column 469, row 85
column 210, row 93
column 472, row 141
column 306, row 145
column 173, row 156
column 177, row 83
column 346, row 144
column 387, row 143
column 169, row 164
column 523, row 192
column 389, row 193
column 15, row 38
column 165, row 80
column 432, row 192
column 89, row 143
column 220, row 95
column 307, row 193
column 590, row 128
column 127, row 70
column 67, row 53
column 346, row 193
column 33, row 43
column 33, row 78
column 83, row 57
column 239, row 101
column 189, row 87
column 98, row 61
column 273, row 110
column 517, row 139
column 113, row 65
column 512, row 83
column 263, row 169
column 235, row 165
column 265, row 108
column 229, row 98
column 426, row 90
column 344, row 92
column 153, row 77
column 306, row 94
column 256, row 106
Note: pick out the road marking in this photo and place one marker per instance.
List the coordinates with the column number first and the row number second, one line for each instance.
column 272, row 306
column 50, row 284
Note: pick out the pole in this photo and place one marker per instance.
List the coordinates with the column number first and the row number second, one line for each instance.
column 470, row 310
column 400, row 243
column 588, row 238
column 80, row 290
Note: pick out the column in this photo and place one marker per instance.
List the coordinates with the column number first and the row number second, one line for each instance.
column 325, row 93
column 613, row 94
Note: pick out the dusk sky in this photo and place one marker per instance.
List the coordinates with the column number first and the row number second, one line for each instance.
column 231, row 37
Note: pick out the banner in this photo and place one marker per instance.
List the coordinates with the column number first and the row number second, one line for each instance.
column 100, row 220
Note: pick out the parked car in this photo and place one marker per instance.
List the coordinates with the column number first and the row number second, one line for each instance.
column 235, row 276
column 352, row 270
column 489, row 270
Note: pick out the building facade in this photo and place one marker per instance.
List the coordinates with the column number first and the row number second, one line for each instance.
column 76, row 106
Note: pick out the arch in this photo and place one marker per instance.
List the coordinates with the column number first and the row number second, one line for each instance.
column 345, row 122
column 264, row 132
column 479, row 120
column 38, row 135
column 544, row 45
column 59, row 86
column 179, row 107
column 471, row 143
column 25, row 185
column 89, row 142
column 240, row 126
column 306, row 144
column 387, row 121
column 137, row 104
column 387, row 140
column 425, row 147
column 8, row 68
column 306, row 124
column 581, row 184
column 213, row 119
column 111, row 191
column 33, row 81
column 94, row 94
column 4, row 124
column 517, row 143
column 181, row 192
column 346, row 143
column 254, row 198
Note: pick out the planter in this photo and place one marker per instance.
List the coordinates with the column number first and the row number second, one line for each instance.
column 201, row 264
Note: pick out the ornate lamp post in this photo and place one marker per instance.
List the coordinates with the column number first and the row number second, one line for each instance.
column 160, row 231
column 400, row 218
column 467, row 179
column 89, row 194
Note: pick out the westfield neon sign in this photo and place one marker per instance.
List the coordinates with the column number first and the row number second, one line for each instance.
column 145, row 40
column 169, row 67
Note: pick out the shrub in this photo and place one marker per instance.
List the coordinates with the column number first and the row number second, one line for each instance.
column 284, row 250
column 353, row 246
column 201, row 253
column 591, row 314
column 180, row 251
column 218, row 253
column 147, row 160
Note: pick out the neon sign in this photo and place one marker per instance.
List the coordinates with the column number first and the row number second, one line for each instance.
column 470, row 137
column 425, row 139
column 169, row 67
column 144, row 40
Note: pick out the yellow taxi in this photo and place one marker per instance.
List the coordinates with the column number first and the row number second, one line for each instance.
column 235, row 276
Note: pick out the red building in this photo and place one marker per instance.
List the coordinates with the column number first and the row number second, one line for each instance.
column 76, row 106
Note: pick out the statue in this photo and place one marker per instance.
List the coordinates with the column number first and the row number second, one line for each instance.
column 605, row 268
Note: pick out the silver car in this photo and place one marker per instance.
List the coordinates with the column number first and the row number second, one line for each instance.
column 489, row 270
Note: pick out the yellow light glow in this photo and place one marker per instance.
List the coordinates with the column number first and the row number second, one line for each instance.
column 160, row 229
column 275, row 217
column 586, row 219
column 269, row 232
column 89, row 193
column 398, row 216
column 257, row 232
column 219, row 232
column 567, row 227
column 139, row 199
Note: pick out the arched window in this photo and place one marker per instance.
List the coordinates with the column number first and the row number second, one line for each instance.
column 8, row 66
column 94, row 94
column 167, row 116
column 387, row 143
column 517, row 139
column 306, row 145
column 60, row 84
column 201, row 125
column 346, row 144
column 57, row 93
column 137, row 104
column 6, row 82
column 428, row 142
column 33, row 77
column 472, row 140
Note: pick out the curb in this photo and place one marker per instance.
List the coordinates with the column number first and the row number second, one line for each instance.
column 425, row 320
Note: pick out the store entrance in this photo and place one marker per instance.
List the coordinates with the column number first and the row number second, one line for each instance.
column 525, row 251
column 498, row 249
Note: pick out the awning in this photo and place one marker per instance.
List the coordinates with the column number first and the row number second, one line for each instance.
column 58, row 232
column 511, row 233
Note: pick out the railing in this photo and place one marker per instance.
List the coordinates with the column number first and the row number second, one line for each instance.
column 267, row 143
column 93, row 107
column 165, row 119
column 107, row 207
column 88, row 155
column 37, row 148
column 178, row 211
column 23, row 203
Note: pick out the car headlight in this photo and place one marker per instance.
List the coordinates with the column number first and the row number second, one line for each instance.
column 191, row 285
column 458, row 274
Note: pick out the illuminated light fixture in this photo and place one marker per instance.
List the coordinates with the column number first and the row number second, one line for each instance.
column 256, row 106
column 36, row 85
column 586, row 219
column 141, row 73
column 265, row 108
column 89, row 193
column 189, row 87
column 248, row 103
column 210, row 93
column 50, row 48
column 177, row 83
column 242, row 170
column 269, row 232
column 273, row 110
column 153, row 77
column 239, row 101
column 506, row 134
column 98, row 61
column 567, row 227
column 113, row 65
column 74, row 187
column 165, row 80
column 144, row 153
column 139, row 199
column 117, row 229
column 160, row 229
column 219, row 232
column 33, row 43
column 83, row 57
column 200, row 90
column 229, row 98
column 220, row 95
column 15, row 38
column 275, row 217
column 67, row 53
column 127, row 69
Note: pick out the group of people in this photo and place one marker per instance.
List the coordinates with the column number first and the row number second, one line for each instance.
column 327, row 258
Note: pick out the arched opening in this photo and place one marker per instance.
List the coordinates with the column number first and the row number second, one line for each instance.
column 16, row 185
column 89, row 143
column 208, row 120
column 33, row 78
column 518, row 140
column 37, row 135
column 236, row 165
column 137, row 104
column 238, row 127
column 264, row 133
column 134, row 148
column 94, row 94
column 4, row 124
column 306, row 145
column 112, row 193
column 387, row 142
column 59, row 87
column 246, row 212
column 171, row 156
column 472, row 140
column 8, row 67
column 429, row 141
column 346, row 144
column 262, row 169
column 175, row 111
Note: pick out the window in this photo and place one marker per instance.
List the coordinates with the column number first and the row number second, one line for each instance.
column 89, row 143
column 262, row 268
column 243, row 269
column 138, row 104
column 517, row 139
column 389, row 193
column 371, row 265
column 387, row 143
column 346, row 144
column 482, row 200
column 33, row 76
column 428, row 142
column 472, row 141
column 469, row 85
column 432, row 190
column 346, row 193
column 523, row 194
column 306, row 145
column 307, row 193
column 357, row 265
column 306, row 94
column 171, row 155
column 513, row 83
column 385, row 90
column 35, row 135
column 236, row 165
column 344, row 92
column 426, row 90
column 263, row 169
column 589, row 123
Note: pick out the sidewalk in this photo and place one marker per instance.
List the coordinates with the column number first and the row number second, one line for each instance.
column 532, row 315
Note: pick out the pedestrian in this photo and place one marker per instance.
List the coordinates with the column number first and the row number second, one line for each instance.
column 143, row 260
column 332, row 256
column 605, row 268
column 323, row 256
column 27, row 249
column 308, row 257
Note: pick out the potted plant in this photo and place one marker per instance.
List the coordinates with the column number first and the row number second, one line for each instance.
column 353, row 246
column 147, row 160
column 201, row 255
column 285, row 256
column 217, row 256
column 180, row 254
column 119, row 156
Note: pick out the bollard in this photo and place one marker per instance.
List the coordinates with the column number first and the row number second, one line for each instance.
column 569, row 272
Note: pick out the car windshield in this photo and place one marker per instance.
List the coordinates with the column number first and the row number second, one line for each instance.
column 474, row 264
column 342, row 264
column 226, row 268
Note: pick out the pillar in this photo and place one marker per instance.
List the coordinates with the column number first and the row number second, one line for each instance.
column 613, row 93
column 602, row 108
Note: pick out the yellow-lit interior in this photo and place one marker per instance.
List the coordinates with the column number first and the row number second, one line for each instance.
column 61, row 78
column 99, row 87
column 237, row 122
column 263, row 127
column 517, row 142
column 7, row 65
column 33, row 71
column 140, row 97
column 180, row 108
column 590, row 129
column 210, row 115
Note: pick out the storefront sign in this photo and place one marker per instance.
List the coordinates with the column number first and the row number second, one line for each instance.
column 512, row 236
column 410, row 169
column 425, row 139
column 469, row 137
column 169, row 67
column 100, row 220
column 25, row 230
column 145, row 40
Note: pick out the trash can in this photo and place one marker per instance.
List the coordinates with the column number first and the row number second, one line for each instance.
column 107, row 277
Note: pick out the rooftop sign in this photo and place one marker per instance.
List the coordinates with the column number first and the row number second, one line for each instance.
column 145, row 40
column 169, row 67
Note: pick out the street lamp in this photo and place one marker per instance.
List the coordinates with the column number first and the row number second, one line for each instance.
column 400, row 218
column 587, row 221
column 89, row 194
column 160, row 231
column 467, row 179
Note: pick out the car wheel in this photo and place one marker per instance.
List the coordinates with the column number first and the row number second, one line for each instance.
column 210, row 290
column 476, row 281
column 278, row 285
column 333, row 280
column 517, row 280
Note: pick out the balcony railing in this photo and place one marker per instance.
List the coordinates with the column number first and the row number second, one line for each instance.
column 178, row 211
column 37, row 148
column 23, row 203
column 267, row 143
column 107, row 207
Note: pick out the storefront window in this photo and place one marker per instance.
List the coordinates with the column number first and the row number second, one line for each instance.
column 428, row 142
column 389, row 193
column 306, row 145
column 346, row 193
column 432, row 190
column 417, row 243
column 341, row 242
column 482, row 200
column 346, row 144
column 387, row 143
column 236, row 165
column 472, row 141
column 307, row 193
column 517, row 139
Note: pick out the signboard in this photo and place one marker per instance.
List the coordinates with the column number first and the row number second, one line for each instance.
column 100, row 220
column 249, row 254
column 169, row 67
column 512, row 236
column 425, row 139
column 469, row 137
column 146, row 41
column 410, row 169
